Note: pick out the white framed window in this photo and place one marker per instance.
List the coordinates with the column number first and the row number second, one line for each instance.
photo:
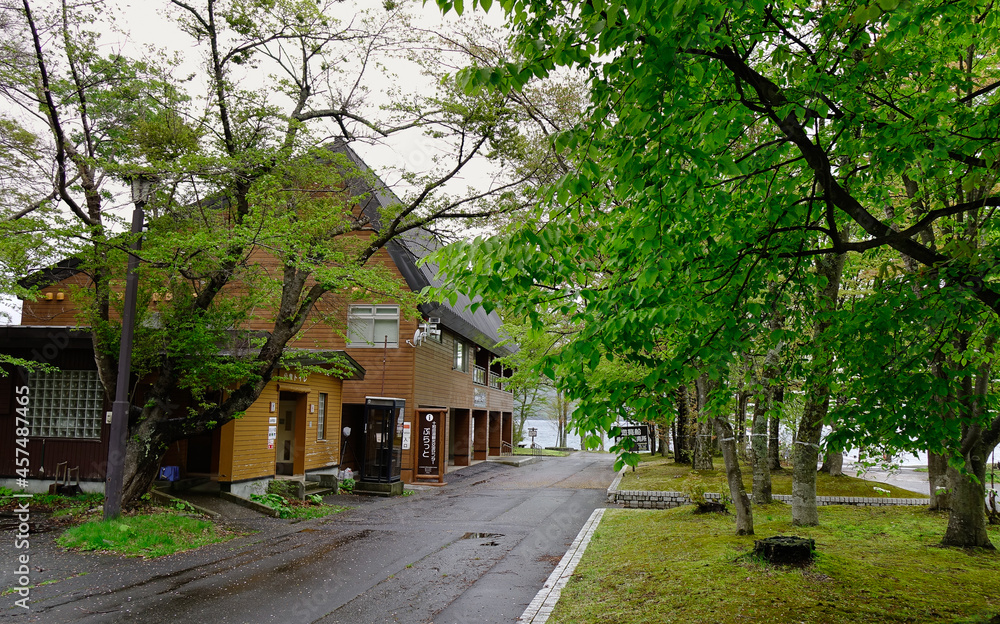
column 461, row 356
column 321, row 417
column 373, row 326
column 66, row 404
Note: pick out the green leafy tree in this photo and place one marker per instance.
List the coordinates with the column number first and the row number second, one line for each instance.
column 732, row 146
column 252, row 236
column 528, row 386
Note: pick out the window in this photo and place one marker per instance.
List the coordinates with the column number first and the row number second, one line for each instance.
column 373, row 326
column 66, row 404
column 461, row 356
column 321, row 417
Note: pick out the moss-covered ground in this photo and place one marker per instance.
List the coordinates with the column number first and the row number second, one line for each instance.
column 873, row 565
column 661, row 474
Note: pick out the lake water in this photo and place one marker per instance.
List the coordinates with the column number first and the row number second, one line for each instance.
column 548, row 434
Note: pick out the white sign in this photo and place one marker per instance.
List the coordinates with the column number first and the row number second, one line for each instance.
column 406, row 436
column 272, row 432
column 273, row 420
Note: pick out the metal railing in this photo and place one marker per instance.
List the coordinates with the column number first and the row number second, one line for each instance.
column 506, row 449
column 479, row 375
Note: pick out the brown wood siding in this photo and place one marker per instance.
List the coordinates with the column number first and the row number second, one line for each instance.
column 327, row 323
column 499, row 400
column 251, row 457
column 323, row 453
column 437, row 382
column 245, row 440
column 55, row 312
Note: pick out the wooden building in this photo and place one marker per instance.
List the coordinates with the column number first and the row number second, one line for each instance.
column 456, row 409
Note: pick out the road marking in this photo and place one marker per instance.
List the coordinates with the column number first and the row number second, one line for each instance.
column 545, row 600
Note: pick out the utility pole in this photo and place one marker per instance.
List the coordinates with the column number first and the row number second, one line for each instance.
column 142, row 186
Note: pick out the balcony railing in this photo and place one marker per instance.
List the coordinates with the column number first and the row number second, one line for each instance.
column 495, row 381
column 479, row 375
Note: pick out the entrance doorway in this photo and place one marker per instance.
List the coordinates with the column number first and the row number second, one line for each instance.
column 285, row 447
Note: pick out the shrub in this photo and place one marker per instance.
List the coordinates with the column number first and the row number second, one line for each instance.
column 274, row 501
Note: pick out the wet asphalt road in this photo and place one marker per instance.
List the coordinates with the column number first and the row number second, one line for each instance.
column 475, row 551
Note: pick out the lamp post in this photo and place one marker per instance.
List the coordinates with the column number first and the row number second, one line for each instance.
column 142, row 187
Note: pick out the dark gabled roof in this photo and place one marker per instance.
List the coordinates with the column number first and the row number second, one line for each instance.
column 321, row 357
column 56, row 273
column 406, row 251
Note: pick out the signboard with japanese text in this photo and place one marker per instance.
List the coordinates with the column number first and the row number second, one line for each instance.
column 406, row 436
column 428, row 430
column 639, row 433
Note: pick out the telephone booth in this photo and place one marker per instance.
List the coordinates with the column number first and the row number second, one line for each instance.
column 383, row 441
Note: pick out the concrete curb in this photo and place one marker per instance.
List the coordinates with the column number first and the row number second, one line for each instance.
column 545, row 600
column 249, row 504
column 163, row 496
column 515, row 460
column 645, row 499
column 613, row 488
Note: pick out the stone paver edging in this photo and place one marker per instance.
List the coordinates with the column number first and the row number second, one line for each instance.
column 644, row 499
column 545, row 600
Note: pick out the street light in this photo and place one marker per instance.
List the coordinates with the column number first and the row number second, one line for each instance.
column 142, row 187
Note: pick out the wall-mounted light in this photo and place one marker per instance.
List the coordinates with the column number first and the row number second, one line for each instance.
column 60, row 296
column 49, row 296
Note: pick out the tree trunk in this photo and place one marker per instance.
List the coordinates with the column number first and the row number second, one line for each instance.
column 703, row 447
column 703, row 439
column 682, row 452
column 759, row 437
column 758, row 453
column 734, row 477
column 833, row 463
column 664, row 441
column 742, row 399
column 143, row 451
column 939, row 478
column 967, row 520
column 774, row 421
column 805, row 451
column 804, row 456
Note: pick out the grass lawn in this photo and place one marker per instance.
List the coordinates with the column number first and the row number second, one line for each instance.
column 873, row 565
column 660, row 474
column 149, row 530
column 152, row 535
